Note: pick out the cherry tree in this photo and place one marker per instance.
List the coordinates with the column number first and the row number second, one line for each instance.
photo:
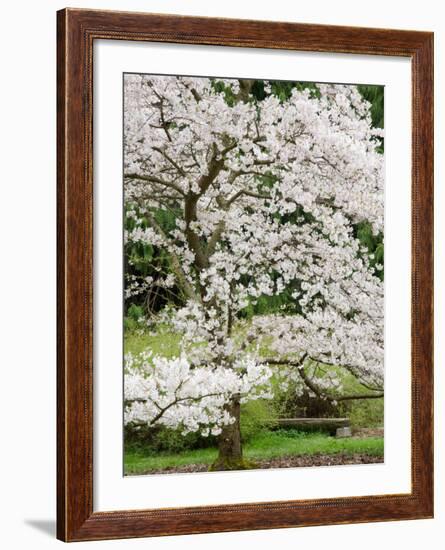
column 265, row 195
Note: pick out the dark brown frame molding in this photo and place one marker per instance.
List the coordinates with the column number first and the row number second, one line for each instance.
column 76, row 32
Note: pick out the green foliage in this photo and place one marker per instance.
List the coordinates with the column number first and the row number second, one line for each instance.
column 130, row 325
column 364, row 413
column 256, row 417
column 132, row 320
column 283, row 89
column 278, row 303
column 135, row 312
column 220, row 87
column 374, row 244
column 280, row 88
column 143, row 260
column 376, row 96
column 293, row 405
column 160, row 439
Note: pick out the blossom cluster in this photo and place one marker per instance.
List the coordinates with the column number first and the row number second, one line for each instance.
column 172, row 393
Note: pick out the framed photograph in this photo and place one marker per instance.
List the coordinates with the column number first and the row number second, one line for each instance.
column 245, row 275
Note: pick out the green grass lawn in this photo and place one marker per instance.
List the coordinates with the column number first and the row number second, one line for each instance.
column 166, row 344
column 265, row 445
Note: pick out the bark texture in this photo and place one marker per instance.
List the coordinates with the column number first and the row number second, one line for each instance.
column 230, row 451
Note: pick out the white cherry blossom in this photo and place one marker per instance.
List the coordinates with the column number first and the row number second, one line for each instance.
column 266, row 196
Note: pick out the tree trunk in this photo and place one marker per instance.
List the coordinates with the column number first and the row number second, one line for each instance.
column 230, row 453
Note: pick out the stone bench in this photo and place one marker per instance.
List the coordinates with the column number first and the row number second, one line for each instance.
column 335, row 426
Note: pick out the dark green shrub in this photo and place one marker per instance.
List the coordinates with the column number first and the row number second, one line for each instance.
column 364, row 413
column 256, row 417
column 158, row 439
column 135, row 312
column 291, row 404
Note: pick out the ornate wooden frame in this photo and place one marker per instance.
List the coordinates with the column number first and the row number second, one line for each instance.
column 77, row 30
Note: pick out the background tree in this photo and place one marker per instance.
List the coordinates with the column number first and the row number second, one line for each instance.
column 239, row 191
